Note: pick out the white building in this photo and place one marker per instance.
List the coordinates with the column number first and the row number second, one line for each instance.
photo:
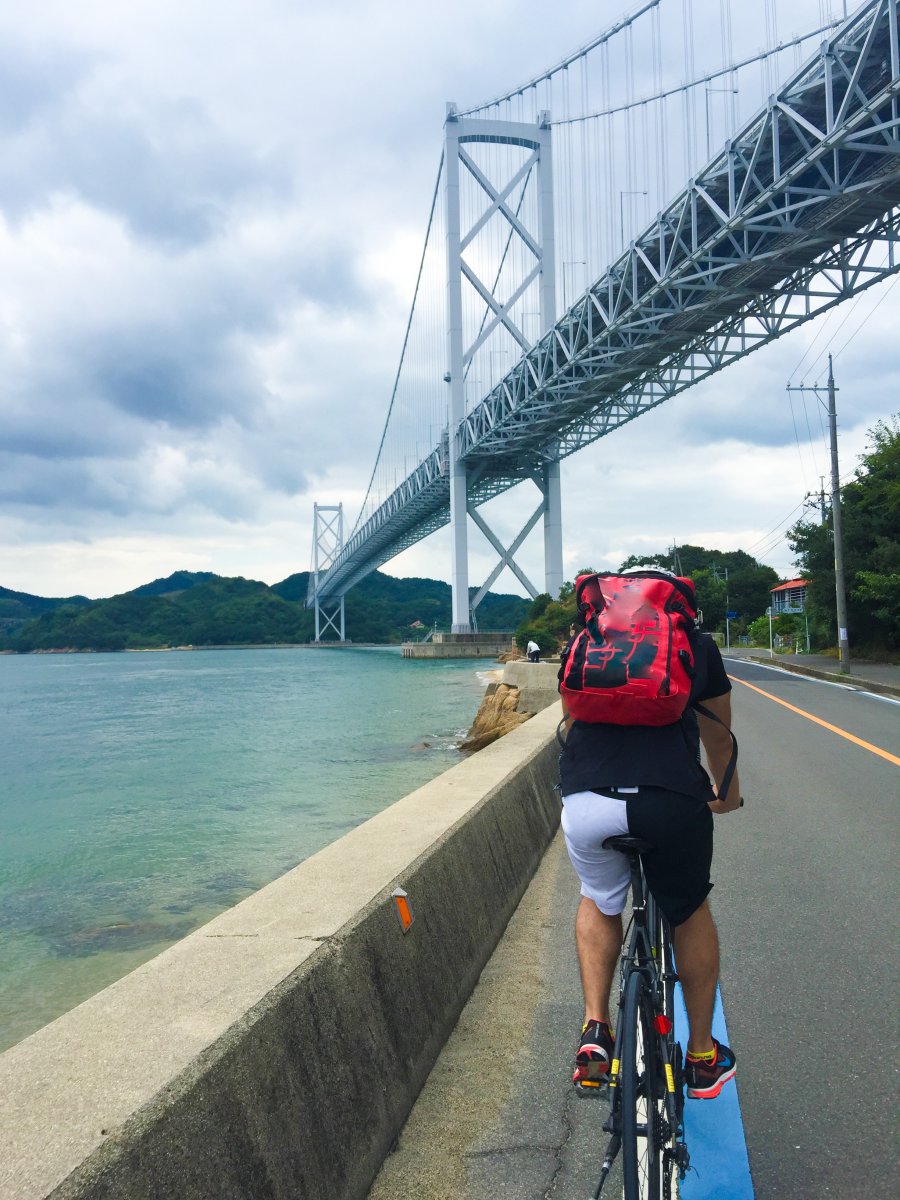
column 789, row 597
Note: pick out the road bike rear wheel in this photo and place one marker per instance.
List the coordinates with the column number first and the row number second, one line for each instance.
column 661, row 946
column 642, row 1080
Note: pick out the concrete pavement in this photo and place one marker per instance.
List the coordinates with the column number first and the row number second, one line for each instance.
column 498, row 1116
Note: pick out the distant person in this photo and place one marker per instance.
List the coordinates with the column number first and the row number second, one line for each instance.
column 645, row 780
column 533, row 651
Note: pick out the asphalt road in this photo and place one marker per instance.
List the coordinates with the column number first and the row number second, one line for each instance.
column 806, row 905
column 808, row 922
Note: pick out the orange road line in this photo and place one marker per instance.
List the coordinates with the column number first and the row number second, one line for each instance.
column 892, row 758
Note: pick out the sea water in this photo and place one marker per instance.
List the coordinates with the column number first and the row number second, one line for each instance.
column 143, row 793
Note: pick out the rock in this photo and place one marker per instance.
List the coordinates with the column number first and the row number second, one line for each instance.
column 496, row 716
column 513, row 655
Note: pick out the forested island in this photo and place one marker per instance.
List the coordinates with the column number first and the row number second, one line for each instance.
column 191, row 608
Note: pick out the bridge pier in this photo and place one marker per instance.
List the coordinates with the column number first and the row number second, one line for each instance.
column 328, row 541
column 501, row 316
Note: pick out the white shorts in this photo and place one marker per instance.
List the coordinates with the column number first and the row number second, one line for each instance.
column 587, row 820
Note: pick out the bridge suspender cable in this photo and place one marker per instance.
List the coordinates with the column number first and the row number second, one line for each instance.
column 412, row 309
column 700, row 80
column 566, row 62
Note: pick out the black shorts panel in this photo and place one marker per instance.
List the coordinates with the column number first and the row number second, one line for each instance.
column 681, row 830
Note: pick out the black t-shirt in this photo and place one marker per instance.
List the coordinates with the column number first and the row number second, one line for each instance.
column 667, row 756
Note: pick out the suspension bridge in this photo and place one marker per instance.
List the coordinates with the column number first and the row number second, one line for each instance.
column 787, row 166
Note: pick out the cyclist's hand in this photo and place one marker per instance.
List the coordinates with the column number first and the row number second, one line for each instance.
column 726, row 806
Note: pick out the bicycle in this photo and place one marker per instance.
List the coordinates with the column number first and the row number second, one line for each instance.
column 646, row 1082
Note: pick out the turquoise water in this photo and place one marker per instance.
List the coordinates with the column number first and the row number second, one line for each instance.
column 141, row 794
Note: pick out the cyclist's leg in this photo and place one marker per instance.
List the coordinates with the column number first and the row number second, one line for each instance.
column 677, row 871
column 678, row 876
column 697, row 954
column 587, row 819
column 598, row 940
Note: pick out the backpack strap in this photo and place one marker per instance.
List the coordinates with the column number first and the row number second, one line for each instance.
column 732, row 762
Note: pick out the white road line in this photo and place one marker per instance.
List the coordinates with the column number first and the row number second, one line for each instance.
column 846, row 687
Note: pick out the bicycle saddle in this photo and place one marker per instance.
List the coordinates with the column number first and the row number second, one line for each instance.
column 627, row 845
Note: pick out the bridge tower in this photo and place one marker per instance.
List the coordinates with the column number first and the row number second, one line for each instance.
column 328, row 541
column 538, row 243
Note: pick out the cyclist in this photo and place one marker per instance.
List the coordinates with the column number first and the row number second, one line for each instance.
column 648, row 781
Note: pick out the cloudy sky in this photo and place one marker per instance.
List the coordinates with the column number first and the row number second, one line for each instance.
column 210, row 216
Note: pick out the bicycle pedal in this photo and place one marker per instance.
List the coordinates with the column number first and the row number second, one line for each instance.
column 590, row 1087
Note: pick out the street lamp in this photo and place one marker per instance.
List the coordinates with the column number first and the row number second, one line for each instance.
column 708, row 91
column 622, row 196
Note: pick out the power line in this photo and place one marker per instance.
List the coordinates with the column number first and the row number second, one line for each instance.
column 824, row 329
column 776, row 529
column 868, row 315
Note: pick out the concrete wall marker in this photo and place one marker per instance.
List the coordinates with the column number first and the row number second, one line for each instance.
column 404, row 911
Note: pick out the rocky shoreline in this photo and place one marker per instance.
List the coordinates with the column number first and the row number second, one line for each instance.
column 524, row 690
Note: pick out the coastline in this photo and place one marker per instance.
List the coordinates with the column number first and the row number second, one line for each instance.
column 231, row 769
column 215, row 646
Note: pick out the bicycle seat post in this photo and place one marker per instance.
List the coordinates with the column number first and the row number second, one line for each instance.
column 633, row 848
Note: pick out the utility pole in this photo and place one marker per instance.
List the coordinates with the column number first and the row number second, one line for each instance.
column 836, row 523
column 727, row 614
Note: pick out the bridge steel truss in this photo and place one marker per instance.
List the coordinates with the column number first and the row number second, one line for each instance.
column 797, row 213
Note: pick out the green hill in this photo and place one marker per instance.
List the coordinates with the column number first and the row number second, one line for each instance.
column 179, row 581
column 201, row 609
column 18, row 607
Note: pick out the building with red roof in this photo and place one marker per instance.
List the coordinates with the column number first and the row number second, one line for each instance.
column 789, row 597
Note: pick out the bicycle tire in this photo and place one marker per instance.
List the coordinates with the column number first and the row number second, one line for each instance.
column 663, row 955
column 641, row 1080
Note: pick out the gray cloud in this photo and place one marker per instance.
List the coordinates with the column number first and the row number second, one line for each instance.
column 208, row 239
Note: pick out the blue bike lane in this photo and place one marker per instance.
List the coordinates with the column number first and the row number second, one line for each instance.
column 714, row 1129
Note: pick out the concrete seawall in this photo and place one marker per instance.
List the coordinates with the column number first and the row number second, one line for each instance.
column 277, row 1051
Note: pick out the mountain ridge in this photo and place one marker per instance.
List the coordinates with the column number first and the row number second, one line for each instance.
column 200, row 608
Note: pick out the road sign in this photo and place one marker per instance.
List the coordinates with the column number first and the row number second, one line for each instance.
column 732, row 616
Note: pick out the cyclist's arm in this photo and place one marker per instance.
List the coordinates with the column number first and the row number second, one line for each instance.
column 717, row 743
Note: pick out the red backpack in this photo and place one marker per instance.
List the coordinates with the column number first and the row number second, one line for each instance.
column 633, row 662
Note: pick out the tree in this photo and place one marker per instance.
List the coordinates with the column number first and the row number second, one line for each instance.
column 870, row 506
column 746, row 586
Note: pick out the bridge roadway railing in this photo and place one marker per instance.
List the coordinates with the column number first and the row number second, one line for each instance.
column 797, row 213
